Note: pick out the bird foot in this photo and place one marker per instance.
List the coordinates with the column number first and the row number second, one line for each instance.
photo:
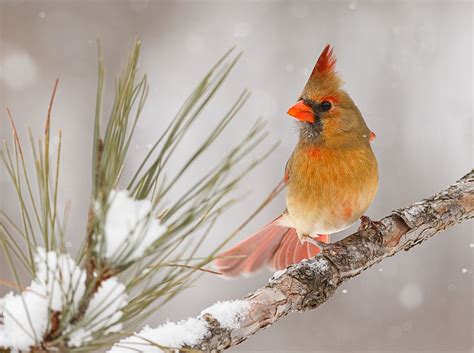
column 366, row 223
column 302, row 237
column 305, row 238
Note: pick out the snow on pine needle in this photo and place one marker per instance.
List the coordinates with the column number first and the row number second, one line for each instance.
column 59, row 286
column 25, row 319
column 129, row 229
column 130, row 262
column 58, row 278
column 103, row 313
column 59, row 283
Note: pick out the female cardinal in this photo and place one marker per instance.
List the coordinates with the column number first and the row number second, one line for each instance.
column 331, row 178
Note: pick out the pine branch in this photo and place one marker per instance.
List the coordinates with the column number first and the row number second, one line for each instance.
column 140, row 245
column 310, row 283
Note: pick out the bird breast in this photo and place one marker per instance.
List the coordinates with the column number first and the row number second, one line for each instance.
column 329, row 189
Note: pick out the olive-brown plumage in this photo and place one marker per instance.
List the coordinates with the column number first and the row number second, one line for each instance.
column 331, row 177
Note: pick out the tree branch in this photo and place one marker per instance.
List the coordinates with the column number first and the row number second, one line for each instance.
column 308, row 284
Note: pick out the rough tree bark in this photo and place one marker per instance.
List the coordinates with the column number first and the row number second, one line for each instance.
column 306, row 285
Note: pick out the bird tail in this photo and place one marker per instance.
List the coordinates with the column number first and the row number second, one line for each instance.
column 275, row 246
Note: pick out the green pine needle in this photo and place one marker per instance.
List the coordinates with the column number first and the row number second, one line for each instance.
column 174, row 261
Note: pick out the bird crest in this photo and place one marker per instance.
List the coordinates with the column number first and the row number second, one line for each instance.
column 326, row 62
column 323, row 78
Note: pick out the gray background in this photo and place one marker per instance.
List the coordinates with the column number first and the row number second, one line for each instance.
column 408, row 65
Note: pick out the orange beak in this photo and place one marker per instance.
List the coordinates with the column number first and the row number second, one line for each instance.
column 302, row 111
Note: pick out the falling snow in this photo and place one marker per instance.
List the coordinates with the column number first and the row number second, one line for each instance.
column 353, row 5
column 18, row 70
column 410, row 296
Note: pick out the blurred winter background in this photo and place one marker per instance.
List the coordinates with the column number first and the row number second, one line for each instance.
column 408, row 65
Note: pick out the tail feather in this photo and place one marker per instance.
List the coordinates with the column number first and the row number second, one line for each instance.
column 275, row 246
column 250, row 254
column 279, row 259
column 293, row 251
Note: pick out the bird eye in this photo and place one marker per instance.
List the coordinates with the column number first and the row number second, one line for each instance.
column 325, row 106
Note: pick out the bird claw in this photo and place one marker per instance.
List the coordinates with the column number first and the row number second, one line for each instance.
column 366, row 223
column 319, row 244
column 305, row 238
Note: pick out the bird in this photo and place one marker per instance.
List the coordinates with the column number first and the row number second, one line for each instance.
column 331, row 178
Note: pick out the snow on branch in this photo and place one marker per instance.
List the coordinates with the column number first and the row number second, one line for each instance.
column 308, row 284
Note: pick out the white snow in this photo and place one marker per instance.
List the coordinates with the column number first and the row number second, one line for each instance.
column 410, row 296
column 353, row 5
column 184, row 333
column 277, row 275
column 59, row 278
column 228, row 313
column 25, row 319
column 169, row 335
column 18, row 69
column 59, row 282
column 103, row 312
column 79, row 337
column 130, row 227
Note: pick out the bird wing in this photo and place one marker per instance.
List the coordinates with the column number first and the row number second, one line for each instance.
column 286, row 176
